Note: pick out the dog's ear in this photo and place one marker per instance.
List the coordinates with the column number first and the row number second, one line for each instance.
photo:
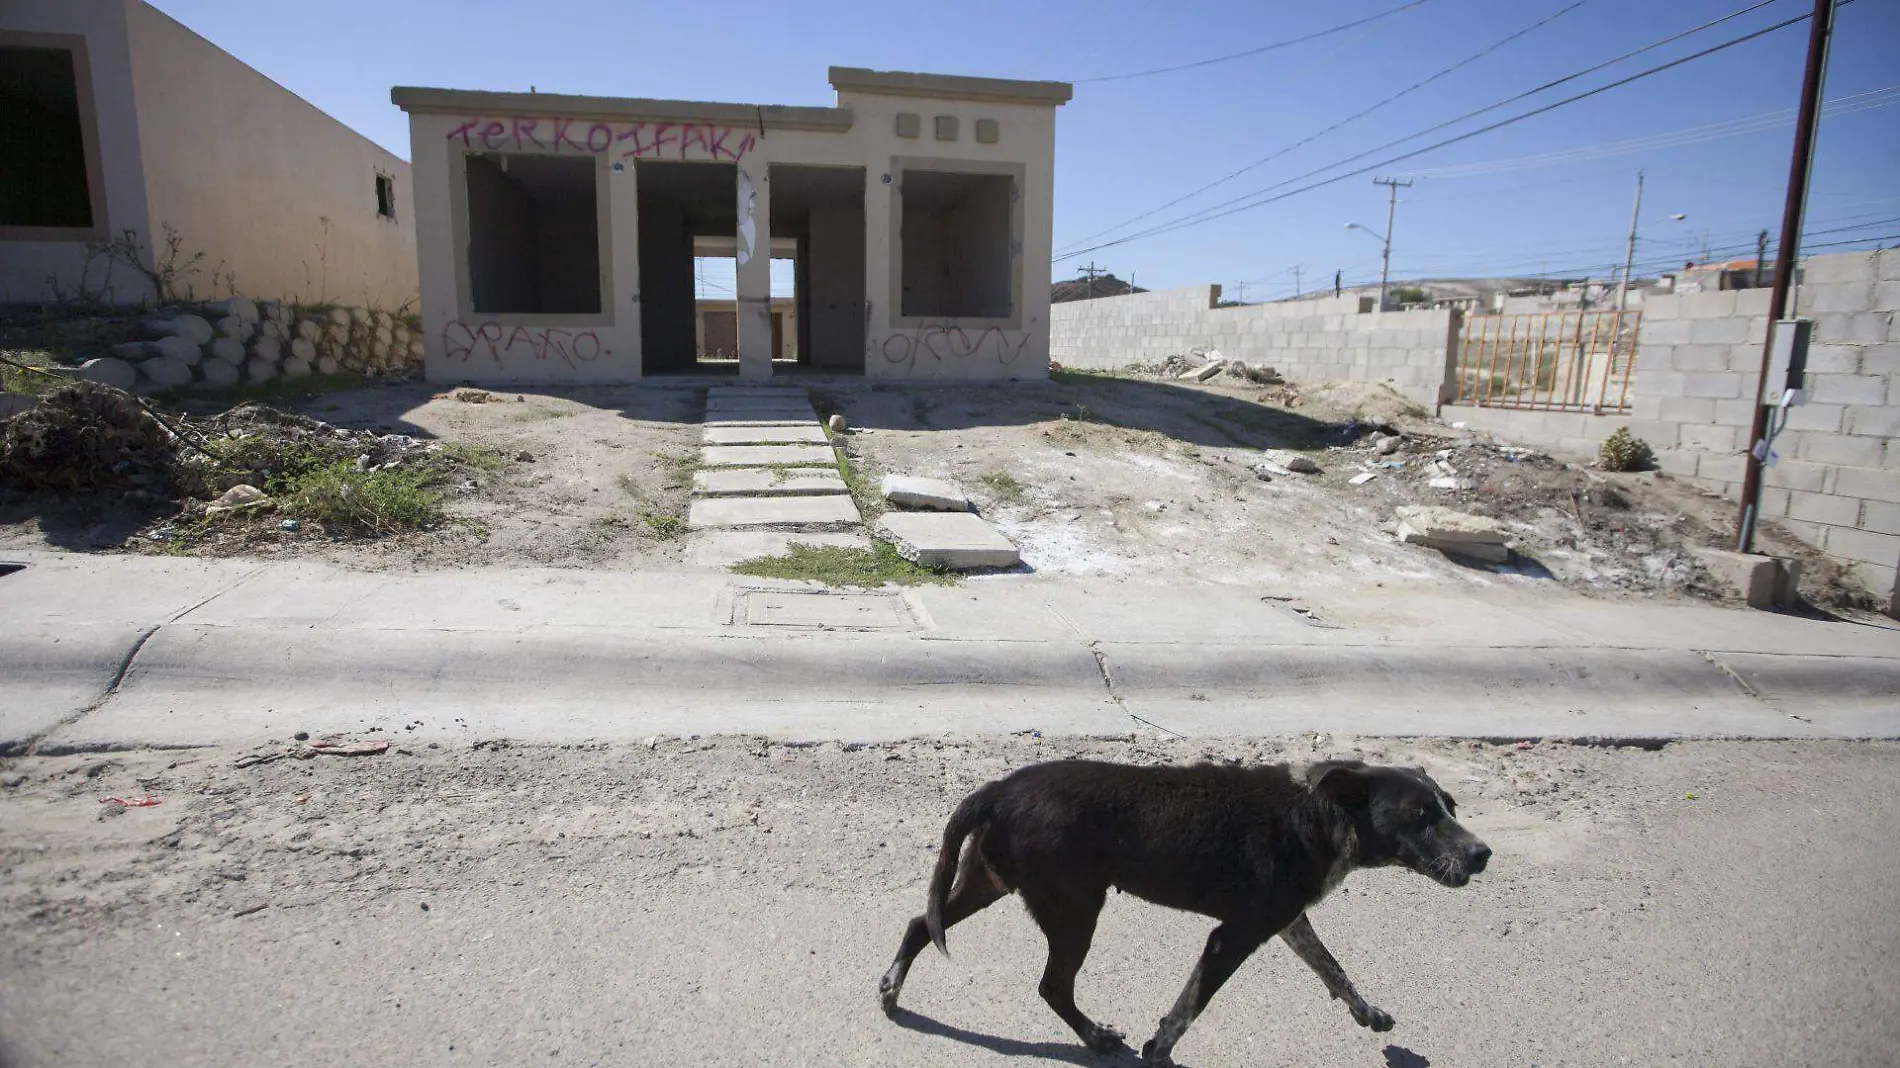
column 1340, row 781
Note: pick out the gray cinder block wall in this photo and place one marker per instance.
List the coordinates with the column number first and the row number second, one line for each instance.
column 1327, row 339
column 1837, row 482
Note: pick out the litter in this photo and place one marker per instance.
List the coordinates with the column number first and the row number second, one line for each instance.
column 1363, row 477
column 346, row 748
column 132, row 802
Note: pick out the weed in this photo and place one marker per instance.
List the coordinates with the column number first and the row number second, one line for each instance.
column 1081, row 414
column 864, row 492
column 679, row 469
column 1622, row 452
column 18, row 374
column 836, row 565
column 1004, row 485
column 478, row 457
column 664, row 525
column 348, row 501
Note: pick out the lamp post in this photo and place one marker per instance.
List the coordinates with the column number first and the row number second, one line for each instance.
column 1386, row 265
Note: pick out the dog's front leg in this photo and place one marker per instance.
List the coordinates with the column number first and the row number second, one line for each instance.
column 1305, row 941
column 1227, row 948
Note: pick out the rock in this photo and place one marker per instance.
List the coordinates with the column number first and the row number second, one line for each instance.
column 1288, row 460
column 177, row 348
column 110, row 372
column 238, row 497
column 296, row 368
column 336, row 335
column 1760, row 581
column 273, row 329
column 908, row 491
column 310, row 330
column 233, row 327
column 385, row 336
column 340, row 317
column 266, row 348
column 959, row 541
column 379, row 349
column 1363, row 477
column 1388, row 446
column 236, row 308
column 1447, row 482
column 836, row 423
column 190, row 327
column 229, row 349
column 130, row 350
column 219, row 374
column 327, row 365
column 1451, row 531
column 1203, row 372
column 415, row 349
column 303, row 349
column 167, row 372
column 260, row 370
column 273, row 311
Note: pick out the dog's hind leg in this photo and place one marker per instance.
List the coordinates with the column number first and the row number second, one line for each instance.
column 1305, row 941
column 977, row 888
column 1227, row 948
column 1068, row 920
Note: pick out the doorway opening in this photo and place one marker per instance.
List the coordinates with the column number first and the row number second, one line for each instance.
column 818, row 212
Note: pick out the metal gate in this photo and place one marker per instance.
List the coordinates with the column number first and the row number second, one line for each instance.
column 1555, row 361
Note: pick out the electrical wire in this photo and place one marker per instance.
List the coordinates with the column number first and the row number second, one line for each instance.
column 1409, row 5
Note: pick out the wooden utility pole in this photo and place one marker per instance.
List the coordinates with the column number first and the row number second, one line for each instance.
column 1090, row 272
column 1391, row 212
column 1761, row 255
column 1820, row 30
column 1296, row 281
column 1336, row 275
column 1623, row 290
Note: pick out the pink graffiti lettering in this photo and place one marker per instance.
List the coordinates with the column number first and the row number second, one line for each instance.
column 461, row 341
column 942, row 342
column 664, row 140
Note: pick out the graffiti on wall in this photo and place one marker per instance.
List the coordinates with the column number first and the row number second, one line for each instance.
column 462, row 341
column 636, row 140
column 943, row 342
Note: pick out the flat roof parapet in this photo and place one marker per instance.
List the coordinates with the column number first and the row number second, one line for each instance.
column 419, row 100
column 951, row 87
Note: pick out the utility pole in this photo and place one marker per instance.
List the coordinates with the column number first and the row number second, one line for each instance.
column 1090, row 272
column 1761, row 255
column 1240, row 292
column 1336, row 275
column 1296, row 281
column 1820, row 33
column 1391, row 212
column 1623, row 290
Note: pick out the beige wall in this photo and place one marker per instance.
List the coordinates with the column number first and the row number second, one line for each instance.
column 26, row 265
column 503, row 348
column 279, row 193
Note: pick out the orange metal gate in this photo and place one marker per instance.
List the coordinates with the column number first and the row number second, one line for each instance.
column 1577, row 361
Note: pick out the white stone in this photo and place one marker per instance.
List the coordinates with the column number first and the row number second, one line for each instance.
column 336, row 335
column 1449, row 530
column 327, row 365
column 227, row 348
column 833, row 510
column 166, row 372
column 131, row 350
column 107, row 371
column 310, row 330
column 219, row 373
column 1288, row 460
column 176, row 347
column 385, row 336
column 836, row 423
column 1202, row 373
column 190, row 327
column 908, row 491
column 273, row 311
column 266, row 348
column 415, row 349
column 237, row 308
column 379, row 349
column 303, row 349
column 274, row 330
column 233, row 327
column 260, row 370
column 295, row 368
column 957, row 540
column 340, row 317
column 238, row 497
column 767, row 482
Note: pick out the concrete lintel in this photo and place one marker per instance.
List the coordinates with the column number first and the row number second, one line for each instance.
column 422, row 100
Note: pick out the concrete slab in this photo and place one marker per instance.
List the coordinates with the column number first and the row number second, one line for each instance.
column 766, row 482
column 800, row 434
column 49, row 674
column 959, row 540
column 723, row 548
column 823, row 610
column 910, row 491
column 746, row 418
column 767, row 455
column 757, row 404
column 830, row 511
column 774, row 392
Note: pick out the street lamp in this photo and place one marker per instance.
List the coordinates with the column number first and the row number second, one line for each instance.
column 1385, row 265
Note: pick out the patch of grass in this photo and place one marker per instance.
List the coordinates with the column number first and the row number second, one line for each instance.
column 478, row 457
column 864, row 492
column 679, row 469
column 31, row 383
column 1077, row 375
column 836, row 565
column 537, row 413
column 664, row 525
column 1004, row 485
column 347, row 501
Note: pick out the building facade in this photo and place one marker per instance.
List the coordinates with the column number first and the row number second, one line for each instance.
column 557, row 235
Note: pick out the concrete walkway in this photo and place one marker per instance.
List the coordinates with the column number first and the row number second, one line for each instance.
column 768, row 477
column 113, row 651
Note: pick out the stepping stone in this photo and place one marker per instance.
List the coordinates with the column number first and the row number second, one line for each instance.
column 957, row 540
column 766, row 482
column 806, row 434
column 756, row 391
column 907, row 491
column 745, row 418
column 766, row 455
column 723, row 548
column 835, row 510
column 758, row 404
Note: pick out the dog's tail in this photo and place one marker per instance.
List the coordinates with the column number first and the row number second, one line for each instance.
column 974, row 810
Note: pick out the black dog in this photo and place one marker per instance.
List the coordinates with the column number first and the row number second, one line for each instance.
column 1251, row 847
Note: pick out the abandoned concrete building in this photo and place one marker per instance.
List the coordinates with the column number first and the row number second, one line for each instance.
column 116, row 120
column 558, row 236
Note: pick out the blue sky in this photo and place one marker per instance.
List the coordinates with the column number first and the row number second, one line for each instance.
column 1125, row 147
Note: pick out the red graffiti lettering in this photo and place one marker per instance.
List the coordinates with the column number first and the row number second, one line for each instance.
column 632, row 133
column 463, row 130
column 524, row 131
column 606, row 138
column 690, row 134
column 638, row 140
column 941, row 341
column 460, row 341
column 660, row 136
column 491, row 134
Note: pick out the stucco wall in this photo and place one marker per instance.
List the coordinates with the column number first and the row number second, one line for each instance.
column 272, row 190
column 1328, row 339
column 26, row 266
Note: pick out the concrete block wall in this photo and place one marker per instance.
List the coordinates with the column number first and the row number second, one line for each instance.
column 1578, row 433
column 1328, row 339
column 1837, row 482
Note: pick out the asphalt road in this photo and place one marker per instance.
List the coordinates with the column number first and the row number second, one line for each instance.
column 732, row 902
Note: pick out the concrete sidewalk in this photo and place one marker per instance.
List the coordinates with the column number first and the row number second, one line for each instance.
column 119, row 651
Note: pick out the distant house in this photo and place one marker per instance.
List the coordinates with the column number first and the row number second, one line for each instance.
column 116, row 120
column 1734, row 274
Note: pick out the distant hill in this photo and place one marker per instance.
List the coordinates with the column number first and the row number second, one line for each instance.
column 1105, row 285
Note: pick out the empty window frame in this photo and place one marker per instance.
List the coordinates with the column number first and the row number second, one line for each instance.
column 385, row 196
column 45, row 182
column 533, row 235
column 956, row 232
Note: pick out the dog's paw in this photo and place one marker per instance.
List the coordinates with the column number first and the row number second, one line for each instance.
column 1149, row 1057
column 1373, row 1017
column 887, row 992
column 1105, row 1039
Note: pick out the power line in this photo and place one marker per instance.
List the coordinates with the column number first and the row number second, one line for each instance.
column 1255, row 51
column 1212, row 213
column 1356, row 116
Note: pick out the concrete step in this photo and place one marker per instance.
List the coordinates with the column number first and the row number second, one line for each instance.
column 742, row 417
column 958, row 540
column 756, row 391
column 820, row 513
column 767, row 482
column 723, row 548
column 803, row 434
column 758, row 404
column 767, row 456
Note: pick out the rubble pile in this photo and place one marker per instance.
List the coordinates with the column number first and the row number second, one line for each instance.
column 86, row 437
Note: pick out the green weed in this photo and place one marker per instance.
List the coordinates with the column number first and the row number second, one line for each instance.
column 836, row 565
